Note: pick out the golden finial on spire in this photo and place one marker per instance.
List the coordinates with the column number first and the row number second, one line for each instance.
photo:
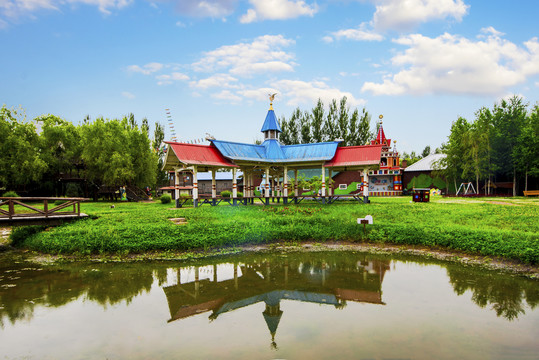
column 271, row 98
column 381, row 117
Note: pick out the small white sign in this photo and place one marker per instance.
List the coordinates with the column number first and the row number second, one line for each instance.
column 367, row 218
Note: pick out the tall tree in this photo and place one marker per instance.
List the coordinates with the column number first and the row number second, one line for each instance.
column 317, row 122
column 509, row 118
column 59, row 148
column 330, row 126
column 455, row 149
column 20, row 163
column 305, row 128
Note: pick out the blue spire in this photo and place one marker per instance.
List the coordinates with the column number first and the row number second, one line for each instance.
column 271, row 122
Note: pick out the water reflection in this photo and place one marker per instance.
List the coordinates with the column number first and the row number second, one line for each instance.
column 329, row 280
column 221, row 286
column 503, row 294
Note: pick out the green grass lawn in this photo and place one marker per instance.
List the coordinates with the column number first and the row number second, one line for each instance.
column 507, row 227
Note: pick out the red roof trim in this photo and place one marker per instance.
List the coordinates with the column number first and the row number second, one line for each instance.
column 205, row 155
column 356, row 156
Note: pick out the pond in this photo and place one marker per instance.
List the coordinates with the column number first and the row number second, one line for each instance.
column 308, row 305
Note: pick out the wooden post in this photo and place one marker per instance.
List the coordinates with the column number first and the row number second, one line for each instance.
column 266, row 185
column 213, row 188
column 366, row 185
column 285, row 185
column 195, row 187
column 296, row 189
column 46, row 207
column 177, row 187
column 234, row 187
column 323, row 183
column 330, row 183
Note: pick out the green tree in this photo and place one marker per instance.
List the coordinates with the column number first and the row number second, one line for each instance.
column 20, row 163
column 455, row 148
column 330, row 126
column 509, row 118
column 317, row 122
column 59, row 147
column 527, row 149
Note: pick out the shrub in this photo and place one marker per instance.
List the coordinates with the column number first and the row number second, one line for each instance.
column 72, row 190
column 20, row 234
column 10, row 194
column 240, row 194
column 59, row 202
column 165, row 199
column 226, row 194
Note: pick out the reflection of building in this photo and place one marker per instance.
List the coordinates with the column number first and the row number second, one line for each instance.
column 248, row 284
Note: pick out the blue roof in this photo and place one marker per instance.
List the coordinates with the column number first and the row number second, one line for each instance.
column 271, row 122
column 273, row 152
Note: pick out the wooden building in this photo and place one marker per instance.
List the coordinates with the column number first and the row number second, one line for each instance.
column 272, row 161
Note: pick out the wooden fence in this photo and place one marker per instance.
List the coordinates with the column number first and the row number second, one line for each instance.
column 70, row 207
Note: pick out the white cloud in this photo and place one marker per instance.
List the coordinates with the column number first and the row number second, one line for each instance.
column 297, row 92
column 451, row 64
column 128, row 95
column 359, row 34
column 13, row 9
column 206, row 8
column 146, row 69
column 227, row 95
column 216, row 81
column 406, row 14
column 166, row 79
column 277, row 10
column 259, row 94
column 262, row 55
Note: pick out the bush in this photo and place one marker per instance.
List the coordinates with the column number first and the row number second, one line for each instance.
column 59, row 202
column 20, row 234
column 10, row 194
column 166, row 199
column 228, row 194
column 73, row 190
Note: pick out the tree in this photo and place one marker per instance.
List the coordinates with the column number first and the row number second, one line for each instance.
column 509, row 118
column 315, row 127
column 305, row 128
column 527, row 149
column 330, row 126
column 317, row 122
column 426, row 151
column 59, row 147
column 118, row 153
column 452, row 164
column 20, row 163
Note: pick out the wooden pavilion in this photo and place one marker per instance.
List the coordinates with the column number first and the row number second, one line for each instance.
column 273, row 160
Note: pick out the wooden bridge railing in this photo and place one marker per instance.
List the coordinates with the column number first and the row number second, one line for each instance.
column 47, row 211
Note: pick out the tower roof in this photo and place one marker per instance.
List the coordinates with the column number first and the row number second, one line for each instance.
column 381, row 137
column 271, row 122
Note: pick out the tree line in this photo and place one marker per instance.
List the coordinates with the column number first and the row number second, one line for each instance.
column 304, row 127
column 40, row 157
column 500, row 144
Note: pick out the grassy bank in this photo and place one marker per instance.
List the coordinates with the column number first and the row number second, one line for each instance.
column 495, row 227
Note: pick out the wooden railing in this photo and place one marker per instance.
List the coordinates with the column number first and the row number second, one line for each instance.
column 71, row 206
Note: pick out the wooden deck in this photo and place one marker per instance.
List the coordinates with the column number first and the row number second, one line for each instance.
column 329, row 199
column 39, row 210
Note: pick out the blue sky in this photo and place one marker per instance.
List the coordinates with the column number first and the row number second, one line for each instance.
column 420, row 63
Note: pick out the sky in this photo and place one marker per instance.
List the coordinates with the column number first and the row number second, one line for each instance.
column 419, row 63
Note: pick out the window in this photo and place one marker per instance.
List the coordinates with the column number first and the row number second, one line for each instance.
column 358, row 186
column 343, row 186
